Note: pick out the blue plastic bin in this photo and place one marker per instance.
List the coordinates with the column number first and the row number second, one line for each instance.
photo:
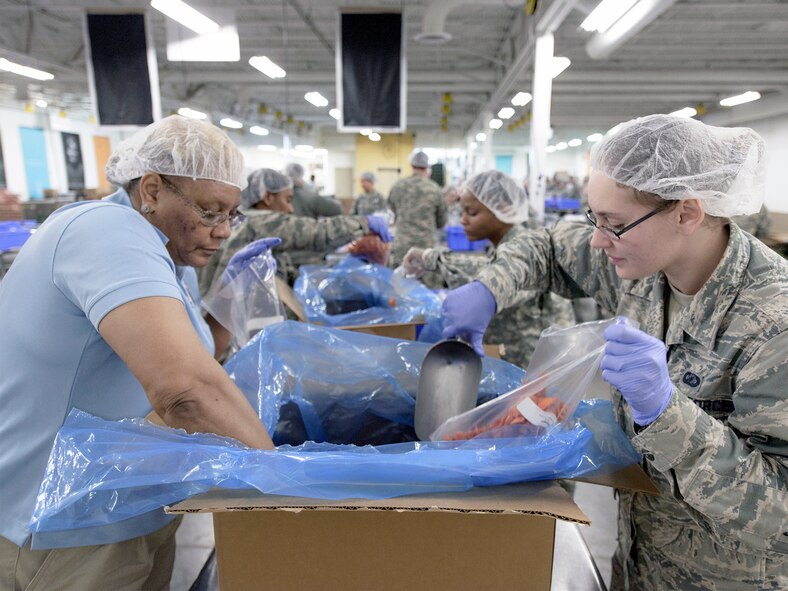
column 14, row 234
column 457, row 240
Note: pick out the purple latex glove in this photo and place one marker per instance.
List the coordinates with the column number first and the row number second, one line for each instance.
column 635, row 363
column 466, row 313
column 244, row 257
column 377, row 225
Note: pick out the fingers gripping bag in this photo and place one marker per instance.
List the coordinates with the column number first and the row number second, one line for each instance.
column 561, row 370
column 248, row 302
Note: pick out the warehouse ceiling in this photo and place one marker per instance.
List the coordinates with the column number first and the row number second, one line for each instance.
column 695, row 52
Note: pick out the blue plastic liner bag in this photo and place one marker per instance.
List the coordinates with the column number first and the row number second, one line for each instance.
column 354, row 292
column 315, row 383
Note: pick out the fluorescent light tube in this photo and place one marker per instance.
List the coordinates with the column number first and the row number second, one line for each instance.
column 316, row 99
column 495, row 123
column 266, row 66
column 685, row 112
column 561, row 146
column 739, row 99
column 594, row 137
column 231, row 123
column 521, row 99
column 374, row 136
column 506, row 113
column 191, row 113
column 365, row 131
column 257, row 130
column 334, row 113
column 304, row 147
column 186, row 15
column 605, row 14
column 481, row 136
column 550, row 149
column 267, row 148
column 573, row 143
column 560, row 64
column 41, row 104
column 15, row 68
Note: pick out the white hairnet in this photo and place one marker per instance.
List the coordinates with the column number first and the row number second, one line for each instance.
column 295, row 171
column 260, row 182
column 419, row 160
column 177, row 146
column 501, row 195
column 368, row 176
column 680, row 158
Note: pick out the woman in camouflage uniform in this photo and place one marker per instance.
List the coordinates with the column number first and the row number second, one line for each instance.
column 494, row 207
column 701, row 388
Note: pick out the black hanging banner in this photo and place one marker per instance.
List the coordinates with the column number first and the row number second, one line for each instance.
column 122, row 73
column 371, row 72
column 75, row 170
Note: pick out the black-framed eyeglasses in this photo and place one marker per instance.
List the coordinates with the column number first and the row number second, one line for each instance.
column 616, row 234
column 207, row 217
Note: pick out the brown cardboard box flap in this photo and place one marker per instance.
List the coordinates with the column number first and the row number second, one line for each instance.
column 527, row 498
column 288, row 297
column 631, row 478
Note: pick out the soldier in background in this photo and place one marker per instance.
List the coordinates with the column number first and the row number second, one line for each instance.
column 757, row 224
column 699, row 387
column 420, row 212
column 495, row 208
column 370, row 201
column 267, row 203
column 305, row 201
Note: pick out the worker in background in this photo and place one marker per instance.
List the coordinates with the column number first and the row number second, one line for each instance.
column 100, row 312
column 494, row 208
column 420, row 212
column 699, row 387
column 370, row 201
column 305, row 201
column 757, row 224
column 267, row 203
column 451, row 195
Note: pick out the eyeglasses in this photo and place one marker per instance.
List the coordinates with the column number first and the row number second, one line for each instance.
column 616, row 234
column 207, row 218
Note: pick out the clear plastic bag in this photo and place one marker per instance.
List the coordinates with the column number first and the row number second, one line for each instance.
column 247, row 303
column 561, row 370
column 353, row 292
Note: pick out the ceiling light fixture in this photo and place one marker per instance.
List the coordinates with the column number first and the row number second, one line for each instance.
column 561, row 146
column 521, row 99
column 41, row 104
column 474, row 145
column 304, row 147
column 481, row 136
column 550, row 149
column 560, row 64
column 316, row 99
column 335, row 113
column 191, row 113
column 374, row 136
column 267, row 148
column 231, row 123
column 739, row 99
column 506, row 113
column 605, row 14
column 495, row 123
column 573, row 143
column 266, row 66
column 257, row 130
column 594, row 137
column 685, row 112
column 186, row 15
column 15, row 68
column 365, row 131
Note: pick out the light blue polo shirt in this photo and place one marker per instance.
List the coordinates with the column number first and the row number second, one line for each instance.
column 84, row 261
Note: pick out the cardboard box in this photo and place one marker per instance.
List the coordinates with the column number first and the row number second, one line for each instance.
column 486, row 538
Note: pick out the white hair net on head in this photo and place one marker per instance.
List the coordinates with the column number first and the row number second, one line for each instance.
column 262, row 181
column 680, row 158
column 177, row 146
column 295, row 171
column 368, row 176
column 501, row 195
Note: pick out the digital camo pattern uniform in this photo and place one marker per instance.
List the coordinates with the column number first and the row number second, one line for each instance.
column 420, row 212
column 517, row 327
column 757, row 224
column 718, row 451
column 369, row 203
column 304, row 241
column 309, row 204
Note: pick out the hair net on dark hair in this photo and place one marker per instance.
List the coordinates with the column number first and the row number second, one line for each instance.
column 295, row 171
column 501, row 195
column 260, row 182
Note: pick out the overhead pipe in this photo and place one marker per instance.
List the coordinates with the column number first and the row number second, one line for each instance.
column 433, row 25
column 601, row 45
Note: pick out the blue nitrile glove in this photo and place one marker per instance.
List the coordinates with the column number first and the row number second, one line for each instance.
column 466, row 313
column 377, row 225
column 244, row 257
column 635, row 363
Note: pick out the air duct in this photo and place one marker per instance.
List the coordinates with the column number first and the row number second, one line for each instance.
column 433, row 27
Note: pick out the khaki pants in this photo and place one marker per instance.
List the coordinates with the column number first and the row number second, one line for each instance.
column 139, row 564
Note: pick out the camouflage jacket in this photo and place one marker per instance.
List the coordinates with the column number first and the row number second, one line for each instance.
column 304, row 241
column 307, row 203
column 757, row 224
column 517, row 327
column 718, row 451
column 420, row 211
column 369, row 203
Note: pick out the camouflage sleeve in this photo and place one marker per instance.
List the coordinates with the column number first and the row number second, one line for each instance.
column 441, row 215
column 394, row 199
column 354, row 207
column 457, row 268
column 735, row 475
column 560, row 260
column 303, row 233
column 325, row 207
column 216, row 264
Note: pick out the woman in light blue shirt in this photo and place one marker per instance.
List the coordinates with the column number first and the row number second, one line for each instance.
column 100, row 312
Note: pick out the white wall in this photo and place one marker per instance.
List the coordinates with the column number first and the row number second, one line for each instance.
column 775, row 133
